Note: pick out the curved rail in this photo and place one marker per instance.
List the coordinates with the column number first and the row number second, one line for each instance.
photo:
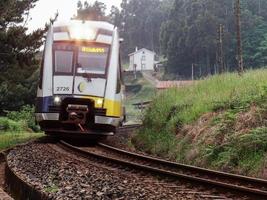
column 129, row 127
column 235, row 183
column 249, row 180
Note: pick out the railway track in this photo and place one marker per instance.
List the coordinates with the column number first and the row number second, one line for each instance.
column 129, row 128
column 247, row 187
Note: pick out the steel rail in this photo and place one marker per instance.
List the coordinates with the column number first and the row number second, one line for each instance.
column 261, row 194
column 131, row 126
column 249, row 180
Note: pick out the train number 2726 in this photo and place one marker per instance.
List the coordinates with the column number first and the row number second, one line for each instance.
column 63, row 89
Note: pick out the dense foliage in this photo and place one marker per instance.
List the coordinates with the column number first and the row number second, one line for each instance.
column 18, row 49
column 25, row 115
column 190, row 34
column 140, row 23
column 19, row 121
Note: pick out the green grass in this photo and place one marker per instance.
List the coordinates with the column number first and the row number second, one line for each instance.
column 10, row 139
column 10, row 125
column 18, row 127
column 231, row 138
column 185, row 105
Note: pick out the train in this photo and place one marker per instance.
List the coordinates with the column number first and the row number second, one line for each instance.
column 80, row 91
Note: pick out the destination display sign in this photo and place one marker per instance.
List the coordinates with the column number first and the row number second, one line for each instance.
column 93, row 49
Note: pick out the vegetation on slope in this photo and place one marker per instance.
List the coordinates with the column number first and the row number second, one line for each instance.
column 220, row 123
column 10, row 139
column 18, row 127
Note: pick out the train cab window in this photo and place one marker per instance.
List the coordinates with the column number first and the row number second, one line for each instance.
column 92, row 60
column 63, row 61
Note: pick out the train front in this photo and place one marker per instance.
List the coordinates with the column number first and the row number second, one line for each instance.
column 79, row 90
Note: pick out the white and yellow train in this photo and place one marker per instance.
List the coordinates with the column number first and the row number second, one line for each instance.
column 80, row 88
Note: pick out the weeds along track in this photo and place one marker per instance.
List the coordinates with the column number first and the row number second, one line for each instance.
column 244, row 187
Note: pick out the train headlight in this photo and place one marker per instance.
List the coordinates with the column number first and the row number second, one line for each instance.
column 81, row 32
column 99, row 102
column 57, row 100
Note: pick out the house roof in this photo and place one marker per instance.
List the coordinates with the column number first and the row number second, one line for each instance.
column 143, row 49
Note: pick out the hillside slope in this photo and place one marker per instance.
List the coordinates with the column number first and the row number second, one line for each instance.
column 137, row 90
column 219, row 123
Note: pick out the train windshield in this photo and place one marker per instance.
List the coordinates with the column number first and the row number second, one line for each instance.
column 92, row 60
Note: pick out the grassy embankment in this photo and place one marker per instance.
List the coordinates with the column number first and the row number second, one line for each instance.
column 18, row 127
column 219, row 123
column 137, row 90
column 10, row 139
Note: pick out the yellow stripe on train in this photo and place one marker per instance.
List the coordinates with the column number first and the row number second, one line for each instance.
column 114, row 108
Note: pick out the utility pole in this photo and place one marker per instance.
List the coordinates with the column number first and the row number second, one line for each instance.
column 192, row 71
column 220, row 49
column 239, row 40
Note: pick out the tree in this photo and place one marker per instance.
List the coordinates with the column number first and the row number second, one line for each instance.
column 95, row 11
column 261, row 51
column 141, row 21
column 190, row 34
column 115, row 16
column 17, row 54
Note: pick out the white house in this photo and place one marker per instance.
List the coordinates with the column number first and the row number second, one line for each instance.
column 142, row 59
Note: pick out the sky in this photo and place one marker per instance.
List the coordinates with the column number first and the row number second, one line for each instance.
column 46, row 9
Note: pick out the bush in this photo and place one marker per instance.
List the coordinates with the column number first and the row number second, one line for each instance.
column 26, row 114
column 10, row 125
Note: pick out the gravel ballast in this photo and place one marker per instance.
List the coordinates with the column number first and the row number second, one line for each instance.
column 64, row 176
